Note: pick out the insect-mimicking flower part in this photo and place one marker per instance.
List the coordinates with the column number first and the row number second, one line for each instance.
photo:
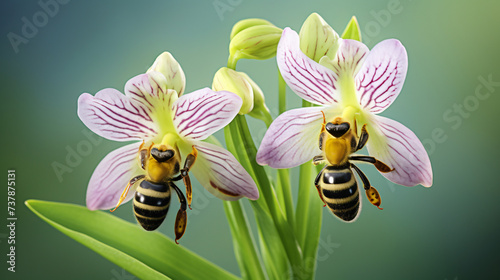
column 356, row 83
column 151, row 108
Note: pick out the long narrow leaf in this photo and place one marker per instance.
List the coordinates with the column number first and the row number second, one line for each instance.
column 154, row 257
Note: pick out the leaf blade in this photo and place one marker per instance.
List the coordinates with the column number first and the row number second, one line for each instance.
column 113, row 238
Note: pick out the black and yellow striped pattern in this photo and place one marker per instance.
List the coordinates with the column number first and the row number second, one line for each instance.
column 151, row 202
column 340, row 192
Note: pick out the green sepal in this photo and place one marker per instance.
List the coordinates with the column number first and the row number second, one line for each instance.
column 352, row 31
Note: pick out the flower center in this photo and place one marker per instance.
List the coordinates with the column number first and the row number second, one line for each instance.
column 348, row 91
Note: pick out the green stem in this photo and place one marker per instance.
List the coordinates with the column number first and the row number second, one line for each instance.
column 302, row 211
column 309, row 216
column 313, row 230
column 282, row 93
column 305, row 182
column 231, row 62
column 286, row 192
column 262, row 115
column 284, row 229
column 285, row 189
column 246, row 251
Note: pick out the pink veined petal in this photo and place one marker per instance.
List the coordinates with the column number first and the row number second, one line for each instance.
column 399, row 148
column 293, row 138
column 221, row 174
column 348, row 59
column 308, row 79
column 111, row 177
column 112, row 115
column 151, row 91
column 201, row 113
column 382, row 76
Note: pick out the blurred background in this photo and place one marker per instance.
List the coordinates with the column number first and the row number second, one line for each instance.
column 450, row 100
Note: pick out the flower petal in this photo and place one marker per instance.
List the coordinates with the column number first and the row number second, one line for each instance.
column 151, row 90
column 113, row 116
column 111, row 177
column 309, row 80
column 166, row 64
column 201, row 113
column 382, row 76
column 293, row 137
column 348, row 59
column 220, row 173
column 399, row 148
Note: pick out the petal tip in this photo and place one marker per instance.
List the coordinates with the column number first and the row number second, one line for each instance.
column 254, row 193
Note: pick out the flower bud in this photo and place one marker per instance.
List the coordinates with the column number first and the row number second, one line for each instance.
column 246, row 23
column 256, row 42
column 317, row 38
column 260, row 110
column 166, row 64
column 233, row 81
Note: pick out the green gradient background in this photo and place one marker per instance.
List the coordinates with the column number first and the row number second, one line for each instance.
column 449, row 231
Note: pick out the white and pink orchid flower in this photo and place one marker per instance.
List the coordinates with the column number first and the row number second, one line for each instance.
column 151, row 108
column 355, row 83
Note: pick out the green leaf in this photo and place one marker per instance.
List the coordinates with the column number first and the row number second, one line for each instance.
column 243, row 241
column 352, row 31
column 273, row 253
column 147, row 255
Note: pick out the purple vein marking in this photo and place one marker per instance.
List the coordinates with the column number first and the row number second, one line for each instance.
column 118, row 118
column 321, row 85
column 220, row 156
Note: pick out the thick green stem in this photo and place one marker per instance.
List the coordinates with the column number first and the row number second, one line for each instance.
column 313, row 226
column 247, row 256
column 286, row 192
column 302, row 212
column 283, row 174
column 284, row 229
column 282, row 94
column 244, row 244
column 308, row 216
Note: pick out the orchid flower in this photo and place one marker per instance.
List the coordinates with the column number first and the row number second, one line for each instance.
column 355, row 83
column 151, row 110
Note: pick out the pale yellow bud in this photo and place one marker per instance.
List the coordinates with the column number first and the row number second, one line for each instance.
column 260, row 110
column 246, row 23
column 235, row 82
column 166, row 64
column 317, row 38
column 256, row 42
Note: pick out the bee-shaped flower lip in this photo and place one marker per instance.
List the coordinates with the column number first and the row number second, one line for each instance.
column 151, row 108
column 355, row 80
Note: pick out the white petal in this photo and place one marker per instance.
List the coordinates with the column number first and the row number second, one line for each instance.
column 166, row 64
column 111, row 177
column 348, row 59
column 201, row 113
column 309, row 80
column 293, row 137
column 382, row 76
column 220, row 173
column 151, row 91
column 112, row 115
column 399, row 148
